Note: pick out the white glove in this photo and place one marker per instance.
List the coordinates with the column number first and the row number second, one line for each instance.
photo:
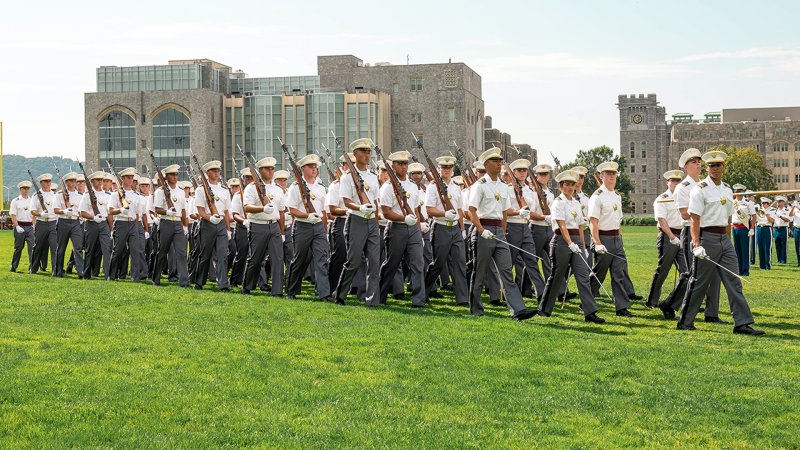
column 464, row 234
column 751, row 233
column 246, row 223
column 314, row 218
column 147, row 235
column 410, row 220
column 125, row 210
column 269, row 209
column 586, row 253
column 20, row 229
column 575, row 248
column 601, row 249
column 675, row 241
column 229, row 235
column 185, row 231
column 283, row 238
column 425, row 227
column 700, row 252
column 68, row 211
column 172, row 212
column 548, row 219
column 215, row 219
column 368, row 208
column 525, row 213
column 98, row 218
column 487, row 234
column 451, row 215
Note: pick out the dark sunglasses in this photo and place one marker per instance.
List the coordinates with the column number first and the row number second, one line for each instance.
column 401, row 163
column 716, row 164
column 446, row 167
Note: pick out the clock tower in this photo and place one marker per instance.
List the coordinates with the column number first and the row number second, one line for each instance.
column 644, row 142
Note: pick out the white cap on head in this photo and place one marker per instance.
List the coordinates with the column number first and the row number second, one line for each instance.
column 70, row 176
column 281, row 175
column 144, row 180
column 171, row 169
column 269, row 161
column 687, row 155
column 458, row 179
column 567, row 175
column 128, row 172
column 234, row 182
column 246, row 172
column 714, row 157
column 23, row 184
column 401, row 156
column 446, row 161
column 765, row 200
column 45, row 177
column 308, row 159
column 739, row 187
column 477, row 165
column 363, row 143
column 416, row 168
column 520, row 164
column 543, row 168
column 780, row 198
column 492, row 153
column 608, row 166
column 582, row 171
column 212, row 165
column 674, row 175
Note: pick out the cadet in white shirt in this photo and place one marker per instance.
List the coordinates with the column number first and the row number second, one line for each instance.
column 338, row 212
column 45, row 229
column 240, row 238
column 66, row 205
column 605, row 216
column 711, row 206
column 97, row 235
column 764, row 221
column 143, row 228
column 780, row 230
column 361, row 229
column 541, row 223
column 171, row 206
column 281, row 179
column 124, row 233
column 668, row 241
column 266, row 216
column 568, row 251
column 488, row 205
column 308, row 235
column 214, row 227
column 744, row 224
column 22, row 220
column 795, row 215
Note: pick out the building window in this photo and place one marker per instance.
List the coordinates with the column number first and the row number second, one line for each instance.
column 644, row 186
column 395, row 118
column 633, row 208
column 395, row 88
column 117, row 144
column 633, row 168
column 633, row 150
column 451, row 114
column 171, row 137
column 450, row 79
column 644, row 168
column 395, row 144
column 416, row 84
column 644, row 149
column 644, row 207
column 416, row 117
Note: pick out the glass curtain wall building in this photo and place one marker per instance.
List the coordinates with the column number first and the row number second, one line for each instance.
column 117, row 143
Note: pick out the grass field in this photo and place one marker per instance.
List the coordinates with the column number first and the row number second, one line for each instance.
column 99, row 364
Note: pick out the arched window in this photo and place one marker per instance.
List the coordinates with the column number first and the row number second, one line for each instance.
column 117, row 131
column 171, row 138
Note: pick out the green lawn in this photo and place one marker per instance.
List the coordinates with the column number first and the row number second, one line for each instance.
column 100, row 364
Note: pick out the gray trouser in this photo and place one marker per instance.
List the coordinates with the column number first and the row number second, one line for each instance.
column 311, row 247
column 491, row 253
column 124, row 234
column 519, row 234
column 720, row 249
column 141, row 253
column 98, row 245
column 675, row 298
column 171, row 239
column 288, row 249
column 403, row 241
column 44, row 240
column 541, row 241
column 240, row 258
column 213, row 239
column 668, row 255
column 448, row 245
column 618, row 267
column 563, row 259
column 264, row 239
column 362, row 238
column 68, row 230
column 338, row 251
column 20, row 239
column 427, row 250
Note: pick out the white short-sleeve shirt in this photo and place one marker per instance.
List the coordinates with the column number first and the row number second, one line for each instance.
column 74, row 201
column 371, row 187
column 295, row 200
column 712, row 202
column 667, row 210
column 681, row 195
column 490, row 198
column 388, row 198
column 569, row 211
column 48, row 197
column 102, row 202
column 133, row 205
column 606, row 207
column 273, row 192
column 21, row 207
column 537, row 208
column 221, row 196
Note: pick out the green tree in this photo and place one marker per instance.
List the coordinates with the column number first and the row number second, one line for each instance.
column 746, row 166
column 591, row 158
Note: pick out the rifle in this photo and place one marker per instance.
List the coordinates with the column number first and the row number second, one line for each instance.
column 305, row 191
column 190, row 174
column 90, row 189
column 540, row 196
column 441, row 187
column 120, row 190
column 358, row 182
column 325, row 163
column 256, row 179
column 241, row 181
column 212, row 207
column 38, row 192
column 163, row 181
column 64, row 193
column 335, row 166
column 399, row 192
column 515, row 183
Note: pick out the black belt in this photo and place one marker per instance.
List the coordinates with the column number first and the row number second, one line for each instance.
column 492, row 222
column 717, row 230
column 24, row 224
column 572, row 232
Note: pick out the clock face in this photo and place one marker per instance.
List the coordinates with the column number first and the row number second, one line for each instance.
column 637, row 118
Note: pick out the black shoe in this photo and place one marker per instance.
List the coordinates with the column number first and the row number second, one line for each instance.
column 571, row 295
column 399, row 296
column 462, row 304
column 635, row 297
column 668, row 312
column 686, row 327
column 651, row 305
column 435, row 294
column 447, row 287
column 197, row 287
column 524, row 314
column 495, row 303
column 624, row 313
column 225, row 290
column 594, row 319
column 69, row 269
column 339, row 301
column 747, row 329
column 265, row 287
column 326, row 299
column 155, row 283
column 418, row 306
column 245, row 291
column 714, row 320
column 543, row 314
column 291, row 296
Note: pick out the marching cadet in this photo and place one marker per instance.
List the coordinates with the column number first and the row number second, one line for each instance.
column 266, row 216
column 752, row 198
column 22, row 220
column 568, row 250
column 125, row 214
column 235, row 188
column 519, row 232
column 491, row 284
column 711, row 207
column 171, row 234
column 691, row 163
column 416, row 173
column 143, row 228
column 764, row 221
column 308, row 232
column 80, row 186
column 403, row 238
column 361, row 230
column 214, row 227
column 108, row 184
column 584, row 201
column 541, row 229
column 744, row 224
column 66, row 206
column 240, row 232
column 338, row 212
column 605, row 216
column 668, row 241
column 795, row 215
column 97, row 236
column 780, row 231
column 282, row 179
column 488, row 206
column 447, row 235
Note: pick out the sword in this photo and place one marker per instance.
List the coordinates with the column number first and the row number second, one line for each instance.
column 591, row 272
column 726, row 269
column 520, row 249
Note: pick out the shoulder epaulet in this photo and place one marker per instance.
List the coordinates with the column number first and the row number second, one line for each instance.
column 727, row 185
column 598, row 192
column 702, row 184
column 664, row 196
column 482, row 180
column 685, row 183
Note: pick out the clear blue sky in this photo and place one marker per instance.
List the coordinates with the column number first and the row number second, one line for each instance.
column 551, row 71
